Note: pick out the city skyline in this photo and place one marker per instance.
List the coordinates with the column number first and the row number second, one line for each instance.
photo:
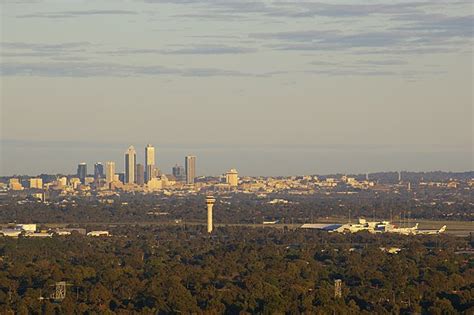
column 237, row 156
column 348, row 86
column 208, row 166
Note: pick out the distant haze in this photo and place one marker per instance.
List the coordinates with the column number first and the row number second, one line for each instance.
column 266, row 87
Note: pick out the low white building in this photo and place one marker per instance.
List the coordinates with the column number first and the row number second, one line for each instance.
column 27, row 227
column 98, row 233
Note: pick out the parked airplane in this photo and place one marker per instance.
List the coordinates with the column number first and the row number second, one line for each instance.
column 405, row 231
column 371, row 227
column 431, row 232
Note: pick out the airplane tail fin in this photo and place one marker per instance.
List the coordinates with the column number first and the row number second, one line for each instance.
column 416, row 226
column 442, row 229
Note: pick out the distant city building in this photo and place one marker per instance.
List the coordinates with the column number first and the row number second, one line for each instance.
column 36, row 183
column 62, row 181
column 98, row 170
column 179, row 173
column 75, row 182
column 14, row 184
column 190, row 166
column 232, row 177
column 130, row 165
column 82, row 172
column 121, row 177
column 140, row 174
column 155, row 184
column 109, row 171
column 149, row 163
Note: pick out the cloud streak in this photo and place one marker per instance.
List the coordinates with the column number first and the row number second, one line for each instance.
column 74, row 14
column 303, row 9
column 431, row 34
column 84, row 70
column 188, row 50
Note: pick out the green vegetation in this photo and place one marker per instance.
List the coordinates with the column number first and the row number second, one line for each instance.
column 243, row 208
column 169, row 270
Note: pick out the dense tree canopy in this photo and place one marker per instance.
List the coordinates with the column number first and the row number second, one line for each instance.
column 241, row 270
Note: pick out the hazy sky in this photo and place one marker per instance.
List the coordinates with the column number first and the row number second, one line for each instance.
column 267, row 87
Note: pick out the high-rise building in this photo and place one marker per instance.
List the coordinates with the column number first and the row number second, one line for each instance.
column 36, row 183
column 109, row 171
column 82, row 172
column 140, row 174
column 149, row 163
column 190, row 165
column 232, row 177
column 178, row 172
column 98, row 170
column 130, row 165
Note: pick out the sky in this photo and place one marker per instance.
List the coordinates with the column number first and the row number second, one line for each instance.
column 266, row 87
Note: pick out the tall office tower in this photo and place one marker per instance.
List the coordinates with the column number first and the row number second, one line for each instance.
column 178, row 172
column 140, row 174
column 130, row 165
column 149, row 163
column 210, row 203
column 82, row 172
column 109, row 171
column 190, row 165
column 98, row 170
column 232, row 177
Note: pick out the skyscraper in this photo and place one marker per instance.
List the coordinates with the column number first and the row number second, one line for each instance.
column 178, row 172
column 140, row 174
column 130, row 165
column 109, row 171
column 190, row 165
column 82, row 172
column 98, row 170
column 149, row 162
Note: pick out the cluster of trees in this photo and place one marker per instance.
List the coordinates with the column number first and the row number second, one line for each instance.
column 248, row 208
column 170, row 270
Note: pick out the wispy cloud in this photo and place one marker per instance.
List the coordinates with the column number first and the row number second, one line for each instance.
column 43, row 46
column 71, row 50
column 440, row 35
column 303, row 9
column 84, row 69
column 73, row 14
column 387, row 62
column 187, row 50
column 210, row 50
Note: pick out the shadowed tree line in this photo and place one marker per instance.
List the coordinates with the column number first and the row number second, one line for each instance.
column 246, row 208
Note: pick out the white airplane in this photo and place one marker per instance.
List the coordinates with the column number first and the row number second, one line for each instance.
column 404, row 231
column 431, row 232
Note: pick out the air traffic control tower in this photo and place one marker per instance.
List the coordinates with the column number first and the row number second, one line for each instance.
column 210, row 200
